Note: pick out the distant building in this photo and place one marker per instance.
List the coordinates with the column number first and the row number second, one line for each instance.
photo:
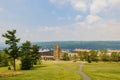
column 82, row 50
column 46, row 54
column 57, row 52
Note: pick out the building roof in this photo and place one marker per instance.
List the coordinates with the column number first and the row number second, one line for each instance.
column 44, row 50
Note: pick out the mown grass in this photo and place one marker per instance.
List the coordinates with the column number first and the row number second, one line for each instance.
column 51, row 70
column 103, row 71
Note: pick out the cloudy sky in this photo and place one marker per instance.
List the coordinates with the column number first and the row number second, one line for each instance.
column 61, row 20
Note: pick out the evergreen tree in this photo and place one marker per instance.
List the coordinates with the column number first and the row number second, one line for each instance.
column 13, row 49
column 26, row 57
column 29, row 55
column 35, row 54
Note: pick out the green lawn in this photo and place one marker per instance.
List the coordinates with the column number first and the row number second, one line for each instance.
column 47, row 71
column 102, row 71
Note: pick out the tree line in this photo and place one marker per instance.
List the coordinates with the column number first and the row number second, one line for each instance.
column 27, row 53
column 93, row 56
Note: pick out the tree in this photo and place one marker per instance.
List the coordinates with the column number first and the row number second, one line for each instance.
column 29, row 55
column 3, row 59
column 81, row 55
column 13, row 49
column 74, row 58
column 26, row 60
column 94, row 55
column 104, row 56
column 65, row 57
column 88, row 59
column 35, row 54
column 118, row 56
column 115, row 56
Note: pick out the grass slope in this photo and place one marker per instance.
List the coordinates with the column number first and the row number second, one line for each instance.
column 103, row 71
column 46, row 71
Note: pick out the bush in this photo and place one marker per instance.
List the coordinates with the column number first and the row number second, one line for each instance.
column 65, row 57
column 3, row 59
column 26, row 63
column 89, row 59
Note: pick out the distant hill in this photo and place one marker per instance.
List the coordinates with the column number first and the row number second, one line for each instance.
column 81, row 44
column 77, row 44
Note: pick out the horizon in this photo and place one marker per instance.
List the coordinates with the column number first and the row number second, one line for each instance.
column 93, row 45
column 61, row 20
column 71, row 41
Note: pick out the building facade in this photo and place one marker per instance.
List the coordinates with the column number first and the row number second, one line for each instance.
column 57, row 52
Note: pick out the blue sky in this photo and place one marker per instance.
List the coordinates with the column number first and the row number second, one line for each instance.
column 61, row 20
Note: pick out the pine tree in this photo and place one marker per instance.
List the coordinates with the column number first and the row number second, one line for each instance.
column 13, row 49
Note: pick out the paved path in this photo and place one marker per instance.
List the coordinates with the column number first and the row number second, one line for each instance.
column 85, row 77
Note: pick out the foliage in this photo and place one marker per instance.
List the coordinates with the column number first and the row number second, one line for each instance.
column 105, row 57
column 29, row 55
column 65, row 57
column 26, row 58
column 35, row 54
column 89, row 59
column 115, row 56
column 119, row 56
column 26, row 63
column 75, row 58
column 94, row 55
column 13, row 49
column 83, row 55
column 3, row 59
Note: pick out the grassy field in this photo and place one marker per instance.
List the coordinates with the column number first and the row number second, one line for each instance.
column 46, row 71
column 103, row 71
column 54, row 70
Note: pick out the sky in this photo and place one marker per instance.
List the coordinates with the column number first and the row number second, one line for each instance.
column 61, row 20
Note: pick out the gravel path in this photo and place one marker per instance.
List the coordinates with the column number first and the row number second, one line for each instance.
column 85, row 77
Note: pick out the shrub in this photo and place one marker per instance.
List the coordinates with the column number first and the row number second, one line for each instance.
column 3, row 59
column 26, row 63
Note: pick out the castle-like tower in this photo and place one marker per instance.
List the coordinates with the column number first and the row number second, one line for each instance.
column 57, row 52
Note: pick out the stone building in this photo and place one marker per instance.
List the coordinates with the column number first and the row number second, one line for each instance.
column 46, row 54
column 57, row 52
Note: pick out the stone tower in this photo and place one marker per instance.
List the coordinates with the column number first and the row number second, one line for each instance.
column 57, row 52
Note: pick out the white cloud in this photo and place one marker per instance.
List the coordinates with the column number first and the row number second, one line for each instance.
column 78, row 17
column 94, row 6
column 97, row 6
column 102, row 30
column 97, row 29
column 79, row 5
column 92, row 19
column 114, row 3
